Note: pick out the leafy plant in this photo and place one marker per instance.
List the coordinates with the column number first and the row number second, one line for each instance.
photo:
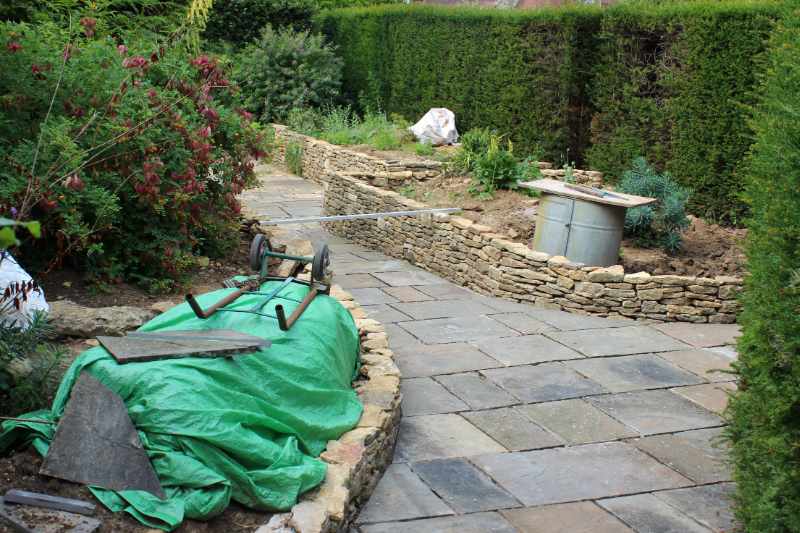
column 423, row 149
column 342, row 126
column 659, row 224
column 497, row 168
column 474, row 143
column 294, row 157
column 8, row 236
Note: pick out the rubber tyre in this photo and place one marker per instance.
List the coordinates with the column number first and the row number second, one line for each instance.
column 257, row 248
column 321, row 264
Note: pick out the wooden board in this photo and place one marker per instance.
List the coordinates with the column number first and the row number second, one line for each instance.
column 550, row 186
column 97, row 444
column 152, row 345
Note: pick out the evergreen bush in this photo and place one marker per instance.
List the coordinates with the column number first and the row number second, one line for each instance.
column 240, row 21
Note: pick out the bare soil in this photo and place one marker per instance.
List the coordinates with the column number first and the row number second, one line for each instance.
column 708, row 249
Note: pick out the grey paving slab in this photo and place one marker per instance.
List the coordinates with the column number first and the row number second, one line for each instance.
column 646, row 513
column 526, row 349
column 401, row 340
column 358, row 281
column 512, row 429
column 471, row 523
column 701, row 335
column 442, row 309
column 338, row 258
column 572, row 321
column 559, row 475
column 656, row 411
column 728, row 351
column 446, row 291
column 401, row 495
column 476, row 390
column 633, row 372
column 348, row 247
column 711, row 505
column 525, row 324
column 423, row 396
column 617, row 341
column 577, row 421
column 462, row 486
column 374, row 267
column 543, row 383
column 707, row 364
column 407, row 294
column 430, row 360
column 711, row 396
column 372, row 256
column 402, row 279
column 458, row 329
column 385, row 314
column 439, row 436
column 371, row 296
column 579, row 517
column 700, row 455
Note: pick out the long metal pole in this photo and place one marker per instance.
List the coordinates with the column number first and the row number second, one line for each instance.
column 358, row 216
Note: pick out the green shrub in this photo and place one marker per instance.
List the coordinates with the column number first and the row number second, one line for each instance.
column 294, row 157
column 285, row 70
column 496, row 168
column 340, row 125
column 474, row 143
column 241, row 21
column 661, row 223
column 764, row 423
column 423, row 149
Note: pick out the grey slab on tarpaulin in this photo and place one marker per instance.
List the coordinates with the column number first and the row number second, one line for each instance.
column 26, row 519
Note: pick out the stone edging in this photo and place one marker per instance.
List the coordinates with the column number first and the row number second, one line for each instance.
column 357, row 460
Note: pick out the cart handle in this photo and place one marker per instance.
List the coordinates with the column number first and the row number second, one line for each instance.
column 214, row 307
column 285, row 323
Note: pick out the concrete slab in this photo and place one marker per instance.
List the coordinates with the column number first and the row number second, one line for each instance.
column 472, row 523
column 525, row 324
column 401, row 340
column 709, row 365
column 401, row 495
column 476, row 390
column 700, row 455
column 572, row 321
column 645, row 512
column 385, row 314
column 633, row 372
column 657, row 411
column 458, row 329
column 711, row 505
column 371, row 296
column 512, row 429
column 358, row 281
column 526, row 349
column 579, row 517
column 617, row 341
column 701, row 335
column 559, row 475
column 423, row 396
column 543, row 383
column 407, row 294
column 462, row 486
column 372, row 267
column 711, row 396
column 432, row 360
column 439, row 436
column 442, row 309
column 402, row 279
column 577, row 421
column 446, row 291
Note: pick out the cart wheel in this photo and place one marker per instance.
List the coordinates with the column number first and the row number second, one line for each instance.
column 321, row 264
column 258, row 246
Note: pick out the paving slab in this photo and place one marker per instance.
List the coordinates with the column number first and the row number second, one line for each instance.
column 646, row 513
column 711, row 396
column 633, row 372
column 560, row 475
column 401, row 495
column 358, row 281
column 371, row 296
column 440, row 436
column 472, row 523
column 476, row 390
column 525, row 324
column 458, row 329
column 617, row 341
column 421, row 360
column 338, row 258
column 579, row 517
column 728, row 351
column 572, row 321
column 526, row 349
column 442, row 309
column 407, row 294
column 385, row 314
column 401, row 340
column 577, row 421
column 701, row 335
column 711, row 505
column 707, row 364
column 656, row 411
column 511, row 428
column 700, row 455
column 423, row 396
column 462, row 486
column 402, row 279
column 543, row 383
column 446, row 291
column 372, row 267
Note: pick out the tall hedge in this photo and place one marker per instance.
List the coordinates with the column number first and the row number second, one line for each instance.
column 597, row 87
column 765, row 413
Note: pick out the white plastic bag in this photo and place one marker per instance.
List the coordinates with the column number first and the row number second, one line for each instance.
column 436, row 127
column 11, row 273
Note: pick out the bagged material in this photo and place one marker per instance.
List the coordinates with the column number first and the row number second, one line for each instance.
column 437, row 127
column 12, row 273
column 247, row 428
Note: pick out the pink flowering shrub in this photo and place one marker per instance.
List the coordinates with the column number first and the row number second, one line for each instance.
column 136, row 168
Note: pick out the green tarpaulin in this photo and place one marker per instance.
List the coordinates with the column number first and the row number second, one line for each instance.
column 248, row 427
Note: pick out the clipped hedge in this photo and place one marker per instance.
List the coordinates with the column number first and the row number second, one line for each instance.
column 765, row 413
column 585, row 85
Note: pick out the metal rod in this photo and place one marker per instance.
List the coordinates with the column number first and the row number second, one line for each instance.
column 358, row 216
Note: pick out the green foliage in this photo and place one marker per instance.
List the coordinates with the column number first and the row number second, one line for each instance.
column 241, row 21
column 340, row 125
column 528, row 169
column 285, row 70
column 764, row 423
column 474, row 143
column 8, row 227
column 423, row 149
column 495, row 168
column 661, row 223
column 294, row 157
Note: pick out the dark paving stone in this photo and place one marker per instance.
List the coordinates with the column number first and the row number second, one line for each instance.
column 423, row 396
column 707, row 364
column 523, row 323
column 338, row 258
column 358, row 281
column 559, row 475
column 472, row 523
column 633, row 372
column 371, row 296
column 580, row 517
column 645, row 512
column 401, row 495
column 576, row 421
column 407, row 294
column 658, row 411
column 711, row 505
column 700, row 455
column 442, row 309
column 512, row 429
column 446, row 291
column 617, row 341
column 476, row 390
column 573, row 321
column 439, row 436
column 401, row 279
column 385, row 314
column 543, row 383
column 347, row 247
column 372, row 256
column 430, row 360
column 462, row 486
column 701, row 335
column 458, row 329
column 372, row 267
column 400, row 339
column 526, row 349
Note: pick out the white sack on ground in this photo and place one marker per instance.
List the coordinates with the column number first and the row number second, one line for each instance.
column 436, row 127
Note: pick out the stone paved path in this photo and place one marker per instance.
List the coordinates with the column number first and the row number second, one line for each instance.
column 517, row 418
